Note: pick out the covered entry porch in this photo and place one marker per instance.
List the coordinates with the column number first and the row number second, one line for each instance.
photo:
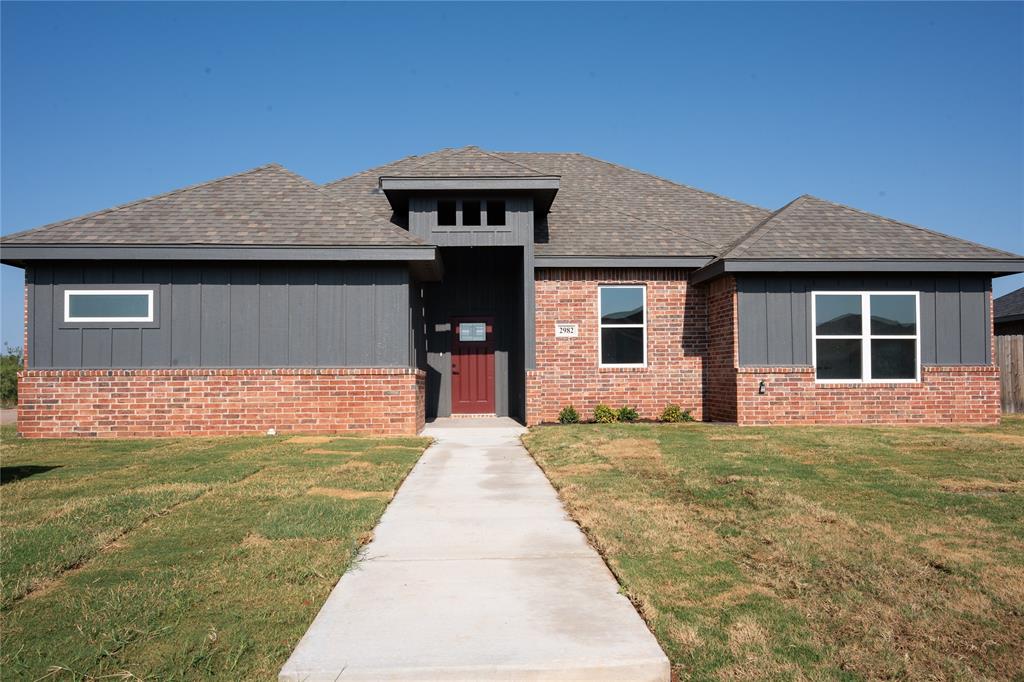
column 475, row 324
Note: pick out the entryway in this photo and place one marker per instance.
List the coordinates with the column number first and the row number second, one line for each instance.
column 476, row 573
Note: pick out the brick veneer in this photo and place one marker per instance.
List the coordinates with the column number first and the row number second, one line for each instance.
column 567, row 368
column 957, row 393
column 219, row 402
column 720, row 367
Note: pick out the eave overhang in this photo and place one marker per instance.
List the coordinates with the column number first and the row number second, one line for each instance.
column 994, row 266
column 423, row 259
column 621, row 261
column 399, row 188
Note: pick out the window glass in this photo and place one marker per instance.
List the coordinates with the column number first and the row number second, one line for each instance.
column 837, row 314
column 893, row 315
column 446, row 212
column 622, row 305
column 105, row 306
column 470, row 212
column 839, row 358
column 622, row 345
column 472, row 331
column 893, row 359
column 495, row 212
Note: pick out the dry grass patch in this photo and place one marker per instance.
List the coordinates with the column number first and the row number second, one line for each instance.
column 348, row 494
column 310, row 440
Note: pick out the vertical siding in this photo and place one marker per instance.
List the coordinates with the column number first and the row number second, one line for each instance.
column 775, row 315
column 230, row 315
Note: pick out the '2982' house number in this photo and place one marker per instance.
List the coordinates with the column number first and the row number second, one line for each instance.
column 566, row 331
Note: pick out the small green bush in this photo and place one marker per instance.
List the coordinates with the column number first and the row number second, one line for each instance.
column 628, row 414
column 674, row 413
column 569, row 415
column 10, row 365
column 605, row 415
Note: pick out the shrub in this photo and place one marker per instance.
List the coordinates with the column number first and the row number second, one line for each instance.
column 569, row 415
column 673, row 413
column 10, row 365
column 604, row 414
column 628, row 414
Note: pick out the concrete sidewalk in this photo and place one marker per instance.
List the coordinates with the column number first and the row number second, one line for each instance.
column 476, row 573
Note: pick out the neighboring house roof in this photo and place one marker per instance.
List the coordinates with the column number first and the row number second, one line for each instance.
column 812, row 228
column 1010, row 307
column 266, row 206
column 601, row 210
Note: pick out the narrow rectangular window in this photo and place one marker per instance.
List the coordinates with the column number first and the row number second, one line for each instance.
column 496, row 212
column 622, row 340
column 470, row 212
column 107, row 305
column 446, row 212
column 866, row 336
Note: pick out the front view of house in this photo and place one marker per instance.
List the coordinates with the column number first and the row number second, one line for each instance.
column 469, row 282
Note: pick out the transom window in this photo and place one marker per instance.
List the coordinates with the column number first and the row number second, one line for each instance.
column 866, row 336
column 470, row 212
column 623, row 326
column 106, row 305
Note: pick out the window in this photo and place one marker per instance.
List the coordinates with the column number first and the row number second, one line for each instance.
column 470, row 212
column 446, row 212
column 623, row 326
column 496, row 212
column 866, row 336
column 108, row 305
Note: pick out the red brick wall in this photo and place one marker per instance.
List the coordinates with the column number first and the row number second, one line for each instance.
column 219, row 402
column 723, row 353
column 567, row 368
column 945, row 394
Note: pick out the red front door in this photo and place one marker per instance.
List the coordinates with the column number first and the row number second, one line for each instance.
column 473, row 365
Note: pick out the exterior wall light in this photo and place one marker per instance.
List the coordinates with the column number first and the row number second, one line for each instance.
column 762, row 387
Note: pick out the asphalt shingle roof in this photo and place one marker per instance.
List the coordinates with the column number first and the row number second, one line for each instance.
column 813, row 228
column 1009, row 305
column 601, row 209
column 265, row 206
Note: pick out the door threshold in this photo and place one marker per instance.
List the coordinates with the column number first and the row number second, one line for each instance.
column 473, row 415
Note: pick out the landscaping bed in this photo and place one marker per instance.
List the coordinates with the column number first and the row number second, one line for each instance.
column 178, row 559
column 835, row 552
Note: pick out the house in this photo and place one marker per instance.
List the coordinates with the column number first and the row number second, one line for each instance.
column 1009, row 313
column 468, row 282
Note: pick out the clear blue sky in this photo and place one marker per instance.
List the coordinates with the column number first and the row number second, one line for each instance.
column 913, row 111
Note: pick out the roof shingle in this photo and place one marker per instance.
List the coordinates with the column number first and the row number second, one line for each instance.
column 1009, row 305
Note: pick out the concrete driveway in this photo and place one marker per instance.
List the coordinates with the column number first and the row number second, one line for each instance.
column 476, row 573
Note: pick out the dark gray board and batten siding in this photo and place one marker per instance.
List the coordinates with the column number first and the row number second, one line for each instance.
column 775, row 315
column 228, row 315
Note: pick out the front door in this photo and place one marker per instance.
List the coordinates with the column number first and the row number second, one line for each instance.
column 473, row 365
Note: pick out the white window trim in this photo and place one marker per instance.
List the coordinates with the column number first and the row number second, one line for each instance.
column 866, row 337
column 68, row 293
column 601, row 325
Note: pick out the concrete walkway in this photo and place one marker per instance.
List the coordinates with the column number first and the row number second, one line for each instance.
column 476, row 573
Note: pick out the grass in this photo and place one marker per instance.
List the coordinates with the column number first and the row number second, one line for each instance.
column 179, row 559
column 809, row 553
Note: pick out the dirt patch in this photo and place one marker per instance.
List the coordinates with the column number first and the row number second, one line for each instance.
column 349, row 494
column 630, row 448
column 310, row 440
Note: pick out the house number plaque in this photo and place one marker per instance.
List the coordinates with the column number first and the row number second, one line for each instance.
column 566, row 331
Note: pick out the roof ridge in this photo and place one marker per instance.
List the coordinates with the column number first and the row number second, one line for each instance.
column 422, row 158
column 514, row 163
column 742, row 240
column 671, row 182
column 153, row 197
column 910, row 225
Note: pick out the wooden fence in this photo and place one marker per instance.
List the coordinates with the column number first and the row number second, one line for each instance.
column 1010, row 358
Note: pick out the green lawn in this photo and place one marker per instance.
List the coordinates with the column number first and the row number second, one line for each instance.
column 179, row 559
column 818, row 552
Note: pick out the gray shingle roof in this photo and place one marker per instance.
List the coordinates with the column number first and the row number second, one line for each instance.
column 813, row 228
column 1009, row 305
column 601, row 209
column 265, row 206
